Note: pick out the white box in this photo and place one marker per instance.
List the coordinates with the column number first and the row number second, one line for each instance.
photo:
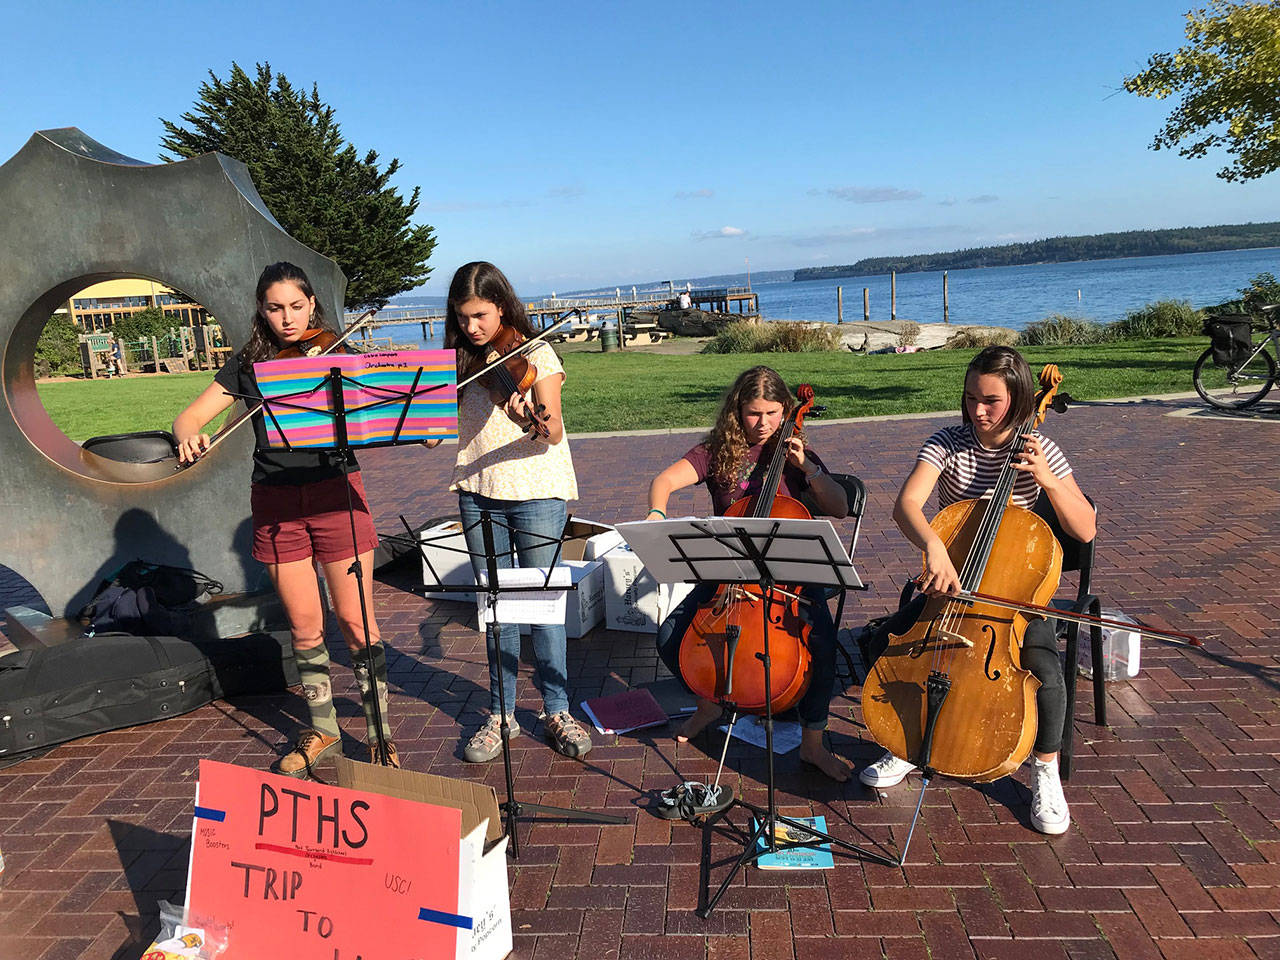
column 633, row 600
column 452, row 565
column 584, row 607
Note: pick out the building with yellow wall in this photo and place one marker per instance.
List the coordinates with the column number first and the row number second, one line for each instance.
column 98, row 306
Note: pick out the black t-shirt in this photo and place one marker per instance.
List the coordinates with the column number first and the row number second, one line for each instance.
column 276, row 465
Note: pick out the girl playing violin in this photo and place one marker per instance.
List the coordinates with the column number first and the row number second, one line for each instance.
column 299, row 504
column 963, row 463
column 732, row 460
column 514, row 462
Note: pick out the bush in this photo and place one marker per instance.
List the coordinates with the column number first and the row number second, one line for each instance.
column 1058, row 328
column 1262, row 289
column 1165, row 318
column 58, row 349
column 909, row 333
column 976, row 338
column 143, row 325
column 743, row 337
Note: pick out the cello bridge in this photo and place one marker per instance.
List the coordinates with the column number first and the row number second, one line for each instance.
column 951, row 637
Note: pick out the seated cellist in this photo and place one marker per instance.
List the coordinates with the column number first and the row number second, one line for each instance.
column 962, row 463
column 732, row 461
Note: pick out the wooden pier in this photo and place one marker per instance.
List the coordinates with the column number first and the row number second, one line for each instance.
column 544, row 312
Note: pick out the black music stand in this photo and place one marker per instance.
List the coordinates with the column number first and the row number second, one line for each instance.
column 763, row 551
column 493, row 589
column 330, row 387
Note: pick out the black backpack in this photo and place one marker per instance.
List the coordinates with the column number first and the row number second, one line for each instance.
column 147, row 599
column 1230, row 339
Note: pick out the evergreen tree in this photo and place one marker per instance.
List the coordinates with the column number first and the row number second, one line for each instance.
column 313, row 182
column 1229, row 79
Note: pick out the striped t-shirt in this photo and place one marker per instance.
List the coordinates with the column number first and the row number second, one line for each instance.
column 970, row 470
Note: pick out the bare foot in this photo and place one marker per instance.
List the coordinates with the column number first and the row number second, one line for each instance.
column 813, row 752
column 706, row 714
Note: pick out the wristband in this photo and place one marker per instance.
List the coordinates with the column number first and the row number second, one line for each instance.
column 657, row 511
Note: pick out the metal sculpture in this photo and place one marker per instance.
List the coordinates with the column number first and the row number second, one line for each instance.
column 76, row 213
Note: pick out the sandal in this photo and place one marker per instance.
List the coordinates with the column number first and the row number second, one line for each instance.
column 691, row 799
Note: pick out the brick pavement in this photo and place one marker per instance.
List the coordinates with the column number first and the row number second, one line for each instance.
column 1174, row 850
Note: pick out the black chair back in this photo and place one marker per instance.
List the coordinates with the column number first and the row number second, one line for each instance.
column 1076, row 555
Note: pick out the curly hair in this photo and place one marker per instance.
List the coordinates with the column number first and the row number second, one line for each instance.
column 262, row 343
column 726, row 443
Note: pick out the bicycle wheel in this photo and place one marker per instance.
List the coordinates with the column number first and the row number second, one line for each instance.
column 1234, row 388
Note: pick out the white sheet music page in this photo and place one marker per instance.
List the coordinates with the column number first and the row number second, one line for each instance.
column 534, row 606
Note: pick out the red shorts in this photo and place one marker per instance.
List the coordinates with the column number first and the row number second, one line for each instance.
column 295, row 522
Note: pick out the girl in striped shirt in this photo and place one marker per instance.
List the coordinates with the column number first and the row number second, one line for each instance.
column 963, row 463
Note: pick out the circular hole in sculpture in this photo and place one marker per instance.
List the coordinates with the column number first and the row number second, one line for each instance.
column 118, row 360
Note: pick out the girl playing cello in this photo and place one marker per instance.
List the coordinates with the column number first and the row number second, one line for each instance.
column 514, row 462
column 732, row 461
column 299, row 505
column 963, row 463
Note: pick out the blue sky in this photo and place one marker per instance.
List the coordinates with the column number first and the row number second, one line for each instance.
column 581, row 145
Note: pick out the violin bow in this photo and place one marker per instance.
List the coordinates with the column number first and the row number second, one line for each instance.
column 248, row 415
column 1172, row 636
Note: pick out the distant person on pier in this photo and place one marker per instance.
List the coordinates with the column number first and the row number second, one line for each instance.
column 684, row 301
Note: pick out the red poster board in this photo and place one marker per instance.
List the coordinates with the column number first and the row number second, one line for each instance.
column 298, row 869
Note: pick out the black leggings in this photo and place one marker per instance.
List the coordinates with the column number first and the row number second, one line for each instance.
column 816, row 702
column 1039, row 655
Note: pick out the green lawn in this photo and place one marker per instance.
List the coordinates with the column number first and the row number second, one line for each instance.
column 633, row 390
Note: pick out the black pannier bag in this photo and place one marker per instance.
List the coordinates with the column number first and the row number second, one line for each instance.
column 1230, row 339
column 147, row 599
column 49, row 695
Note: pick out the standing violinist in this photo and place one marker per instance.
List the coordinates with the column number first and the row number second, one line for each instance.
column 732, row 461
column 963, row 463
column 299, row 505
column 514, row 462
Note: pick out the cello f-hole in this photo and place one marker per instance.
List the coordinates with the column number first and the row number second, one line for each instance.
column 991, row 649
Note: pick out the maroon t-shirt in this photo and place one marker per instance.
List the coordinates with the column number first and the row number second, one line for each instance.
column 750, row 476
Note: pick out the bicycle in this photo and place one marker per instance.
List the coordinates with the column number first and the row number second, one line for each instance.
column 1244, row 380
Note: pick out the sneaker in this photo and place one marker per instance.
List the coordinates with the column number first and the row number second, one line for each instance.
column 567, row 735
column 888, row 771
column 393, row 756
column 312, row 747
column 486, row 743
column 1049, row 813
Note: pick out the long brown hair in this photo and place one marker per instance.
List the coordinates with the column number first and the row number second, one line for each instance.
column 1011, row 367
column 480, row 280
column 726, row 443
column 263, row 344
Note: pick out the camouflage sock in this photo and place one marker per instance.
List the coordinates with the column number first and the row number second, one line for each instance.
column 360, row 665
column 313, row 668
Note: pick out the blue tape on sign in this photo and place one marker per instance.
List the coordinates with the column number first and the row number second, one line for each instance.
column 449, row 919
column 208, row 813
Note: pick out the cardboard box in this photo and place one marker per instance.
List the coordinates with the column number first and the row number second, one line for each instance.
column 444, row 546
column 588, row 540
column 483, row 890
column 633, row 600
column 584, row 607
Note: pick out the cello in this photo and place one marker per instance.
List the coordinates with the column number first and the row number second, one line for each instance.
column 950, row 694
column 722, row 649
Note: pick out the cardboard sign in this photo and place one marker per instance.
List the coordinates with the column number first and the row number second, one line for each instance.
column 388, row 398
column 305, row 870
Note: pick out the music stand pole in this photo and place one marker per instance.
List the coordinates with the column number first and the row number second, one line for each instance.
column 513, row 808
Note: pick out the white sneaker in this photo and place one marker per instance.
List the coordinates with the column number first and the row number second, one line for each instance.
column 886, row 772
column 1049, row 813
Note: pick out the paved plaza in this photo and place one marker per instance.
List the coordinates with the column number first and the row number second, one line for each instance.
column 1174, row 848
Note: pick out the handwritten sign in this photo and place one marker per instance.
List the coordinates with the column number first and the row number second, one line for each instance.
column 395, row 397
column 305, row 870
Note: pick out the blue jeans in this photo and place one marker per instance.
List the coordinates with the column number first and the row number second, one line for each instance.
column 816, row 702
column 530, row 520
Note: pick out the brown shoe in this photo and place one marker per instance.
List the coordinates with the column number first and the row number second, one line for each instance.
column 393, row 757
column 313, row 746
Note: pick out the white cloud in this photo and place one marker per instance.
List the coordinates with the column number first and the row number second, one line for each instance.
column 702, row 194
column 721, row 234
column 869, row 194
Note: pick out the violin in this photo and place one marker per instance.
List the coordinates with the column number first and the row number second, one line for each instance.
column 314, row 342
column 512, row 372
column 950, row 695
column 722, row 650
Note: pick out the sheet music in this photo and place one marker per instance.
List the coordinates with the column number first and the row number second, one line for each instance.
column 536, row 606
